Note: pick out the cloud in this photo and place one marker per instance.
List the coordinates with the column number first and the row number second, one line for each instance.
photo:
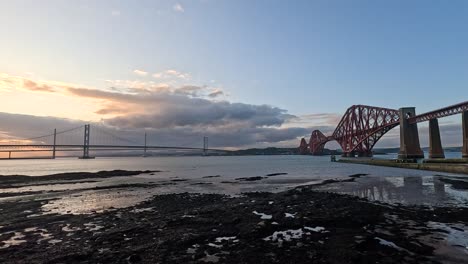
column 33, row 86
column 181, row 115
column 191, row 90
column 325, row 122
column 11, row 83
column 178, row 8
column 115, row 13
column 177, row 115
column 167, row 74
column 140, row 72
column 15, row 126
column 215, row 93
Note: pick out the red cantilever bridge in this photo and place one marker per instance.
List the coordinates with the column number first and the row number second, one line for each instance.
column 362, row 126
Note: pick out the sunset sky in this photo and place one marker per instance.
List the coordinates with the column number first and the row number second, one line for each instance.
column 246, row 73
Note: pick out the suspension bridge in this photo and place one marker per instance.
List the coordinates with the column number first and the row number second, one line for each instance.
column 85, row 139
column 362, row 126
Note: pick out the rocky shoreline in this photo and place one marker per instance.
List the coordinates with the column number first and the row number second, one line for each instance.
column 296, row 226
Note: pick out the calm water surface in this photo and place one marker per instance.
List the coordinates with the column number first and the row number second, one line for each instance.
column 188, row 174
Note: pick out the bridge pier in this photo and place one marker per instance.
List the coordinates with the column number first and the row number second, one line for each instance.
column 409, row 137
column 86, row 143
column 351, row 154
column 465, row 134
column 55, row 143
column 364, row 154
column 144, row 150
column 435, row 145
column 205, row 146
column 303, row 147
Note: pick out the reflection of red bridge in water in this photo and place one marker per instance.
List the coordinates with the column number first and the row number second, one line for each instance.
column 362, row 126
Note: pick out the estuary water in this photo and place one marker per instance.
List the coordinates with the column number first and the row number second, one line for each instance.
column 230, row 175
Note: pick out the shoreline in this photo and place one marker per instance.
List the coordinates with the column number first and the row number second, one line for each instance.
column 450, row 167
column 306, row 224
column 300, row 225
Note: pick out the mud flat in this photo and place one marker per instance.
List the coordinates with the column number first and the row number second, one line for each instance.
column 296, row 226
column 450, row 166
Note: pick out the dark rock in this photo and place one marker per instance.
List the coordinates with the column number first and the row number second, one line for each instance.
column 256, row 178
column 276, row 174
column 134, row 259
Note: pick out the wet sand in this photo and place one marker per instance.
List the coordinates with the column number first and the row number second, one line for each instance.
column 302, row 225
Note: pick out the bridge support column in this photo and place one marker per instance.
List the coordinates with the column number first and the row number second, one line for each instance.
column 205, row 146
column 55, row 141
column 144, row 151
column 86, row 143
column 351, row 154
column 465, row 134
column 365, row 154
column 409, row 137
column 435, row 145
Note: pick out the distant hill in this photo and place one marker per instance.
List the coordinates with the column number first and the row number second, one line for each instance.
column 251, row 151
column 295, row 151
column 264, row 151
column 274, row 151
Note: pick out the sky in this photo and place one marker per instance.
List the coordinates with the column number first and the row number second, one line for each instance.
column 246, row 73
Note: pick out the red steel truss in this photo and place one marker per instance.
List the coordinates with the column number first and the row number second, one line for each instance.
column 304, row 147
column 358, row 131
column 443, row 112
column 362, row 126
column 317, row 142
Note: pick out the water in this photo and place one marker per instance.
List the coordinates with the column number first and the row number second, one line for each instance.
column 195, row 166
column 188, row 174
column 448, row 155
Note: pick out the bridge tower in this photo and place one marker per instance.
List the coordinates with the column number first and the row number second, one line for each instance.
column 205, row 146
column 409, row 137
column 144, row 150
column 55, row 142
column 86, row 143
column 465, row 134
column 435, row 145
